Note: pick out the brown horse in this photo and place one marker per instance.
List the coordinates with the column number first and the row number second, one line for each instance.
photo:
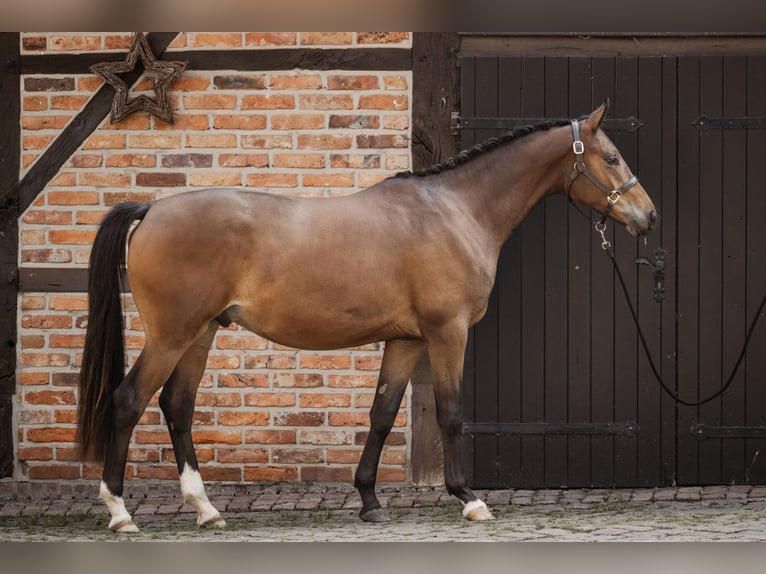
column 410, row 261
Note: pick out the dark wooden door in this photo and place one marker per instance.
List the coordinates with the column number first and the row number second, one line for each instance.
column 556, row 364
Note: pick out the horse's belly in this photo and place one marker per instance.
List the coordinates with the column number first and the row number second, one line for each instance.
column 320, row 329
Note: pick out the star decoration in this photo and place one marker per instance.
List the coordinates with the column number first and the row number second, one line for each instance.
column 166, row 72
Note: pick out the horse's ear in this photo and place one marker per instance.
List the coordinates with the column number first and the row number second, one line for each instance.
column 594, row 120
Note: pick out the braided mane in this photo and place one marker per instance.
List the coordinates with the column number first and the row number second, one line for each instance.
column 491, row 144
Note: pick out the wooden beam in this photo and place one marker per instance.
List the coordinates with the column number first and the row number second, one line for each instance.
column 394, row 59
column 10, row 144
column 436, row 94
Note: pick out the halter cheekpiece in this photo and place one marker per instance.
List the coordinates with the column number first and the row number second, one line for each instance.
column 612, row 195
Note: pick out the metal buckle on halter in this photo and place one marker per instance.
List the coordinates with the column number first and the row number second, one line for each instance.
column 614, row 197
column 601, row 228
column 578, row 147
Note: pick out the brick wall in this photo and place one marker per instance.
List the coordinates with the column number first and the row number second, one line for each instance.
column 264, row 412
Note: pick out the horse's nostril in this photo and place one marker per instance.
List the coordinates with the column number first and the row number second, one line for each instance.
column 653, row 217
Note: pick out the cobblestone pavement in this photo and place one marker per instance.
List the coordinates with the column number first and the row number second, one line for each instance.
column 61, row 512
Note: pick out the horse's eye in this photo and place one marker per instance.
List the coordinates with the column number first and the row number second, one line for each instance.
column 612, row 159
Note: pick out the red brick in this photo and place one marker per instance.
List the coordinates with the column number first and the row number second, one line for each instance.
column 73, row 198
column 280, row 361
column 297, row 121
column 157, row 472
column 305, row 418
column 32, row 341
column 303, row 380
column 152, row 437
column 243, row 419
column 118, row 42
column 44, row 122
column 243, row 160
column 113, row 198
column 354, row 121
column 65, row 416
column 299, row 160
column 161, row 179
column 54, row 472
column 218, row 399
column 186, row 122
column 324, row 437
column 326, row 474
column 34, row 43
column 343, row 456
column 217, row 437
column 239, row 121
column 271, row 38
column 220, row 474
column 395, row 82
column 35, row 103
column 74, row 43
column 67, row 341
column 396, row 122
column 68, row 102
column 35, row 142
column 349, row 419
column 296, row 455
column 240, row 82
column 270, row 399
column 105, row 179
column 345, row 381
column 267, row 141
column 355, row 161
column 243, row 455
column 32, row 378
column 54, row 434
column 382, row 141
column 164, row 141
column 70, row 237
column 226, row 179
column 211, row 141
column 329, row 180
column 86, row 160
column 391, row 475
column 34, row 417
column 143, row 455
column 271, row 473
column 210, row 102
column 323, row 141
column 394, row 456
column 35, row 453
column 131, row 160
column 46, row 256
column 299, row 82
column 268, row 102
column 188, row 83
column 324, row 400
column 231, row 40
column 265, row 180
column 383, row 102
column 352, row 82
column 367, row 362
column 46, row 322
column 243, row 380
column 381, row 37
column 44, row 359
column 326, row 38
column 270, row 436
column 326, row 102
column 111, row 141
column 64, row 178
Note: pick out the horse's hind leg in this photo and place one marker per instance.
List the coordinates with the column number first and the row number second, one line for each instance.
column 130, row 400
column 177, row 404
column 399, row 360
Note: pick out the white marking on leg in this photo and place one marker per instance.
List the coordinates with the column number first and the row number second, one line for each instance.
column 382, row 389
column 193, row 492
column 121, row 520
column 477, row 510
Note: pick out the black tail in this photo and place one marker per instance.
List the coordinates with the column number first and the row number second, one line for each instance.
column 103, row 362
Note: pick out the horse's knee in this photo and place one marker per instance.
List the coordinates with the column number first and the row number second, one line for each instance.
column 450, row 420
column 128, row 407
column 178, row 410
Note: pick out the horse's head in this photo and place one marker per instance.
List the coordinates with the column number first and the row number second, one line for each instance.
column 603, row 181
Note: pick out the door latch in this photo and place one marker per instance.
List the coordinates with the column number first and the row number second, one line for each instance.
column 658, row 266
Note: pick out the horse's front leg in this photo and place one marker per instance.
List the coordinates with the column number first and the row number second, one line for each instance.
column 446, row 350
column 399, row 360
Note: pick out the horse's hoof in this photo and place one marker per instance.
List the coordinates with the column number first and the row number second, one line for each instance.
column 374, row 515
column 124, row 527
column 215, row 522
column 476, row 510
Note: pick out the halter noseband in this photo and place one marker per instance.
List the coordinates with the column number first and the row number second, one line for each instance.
column 612, row 195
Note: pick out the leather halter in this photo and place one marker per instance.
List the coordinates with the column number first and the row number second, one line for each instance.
column 612, row 195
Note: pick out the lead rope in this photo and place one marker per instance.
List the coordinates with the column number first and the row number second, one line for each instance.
column 607, row 247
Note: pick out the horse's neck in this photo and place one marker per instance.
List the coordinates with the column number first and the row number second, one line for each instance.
column 501, row 188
